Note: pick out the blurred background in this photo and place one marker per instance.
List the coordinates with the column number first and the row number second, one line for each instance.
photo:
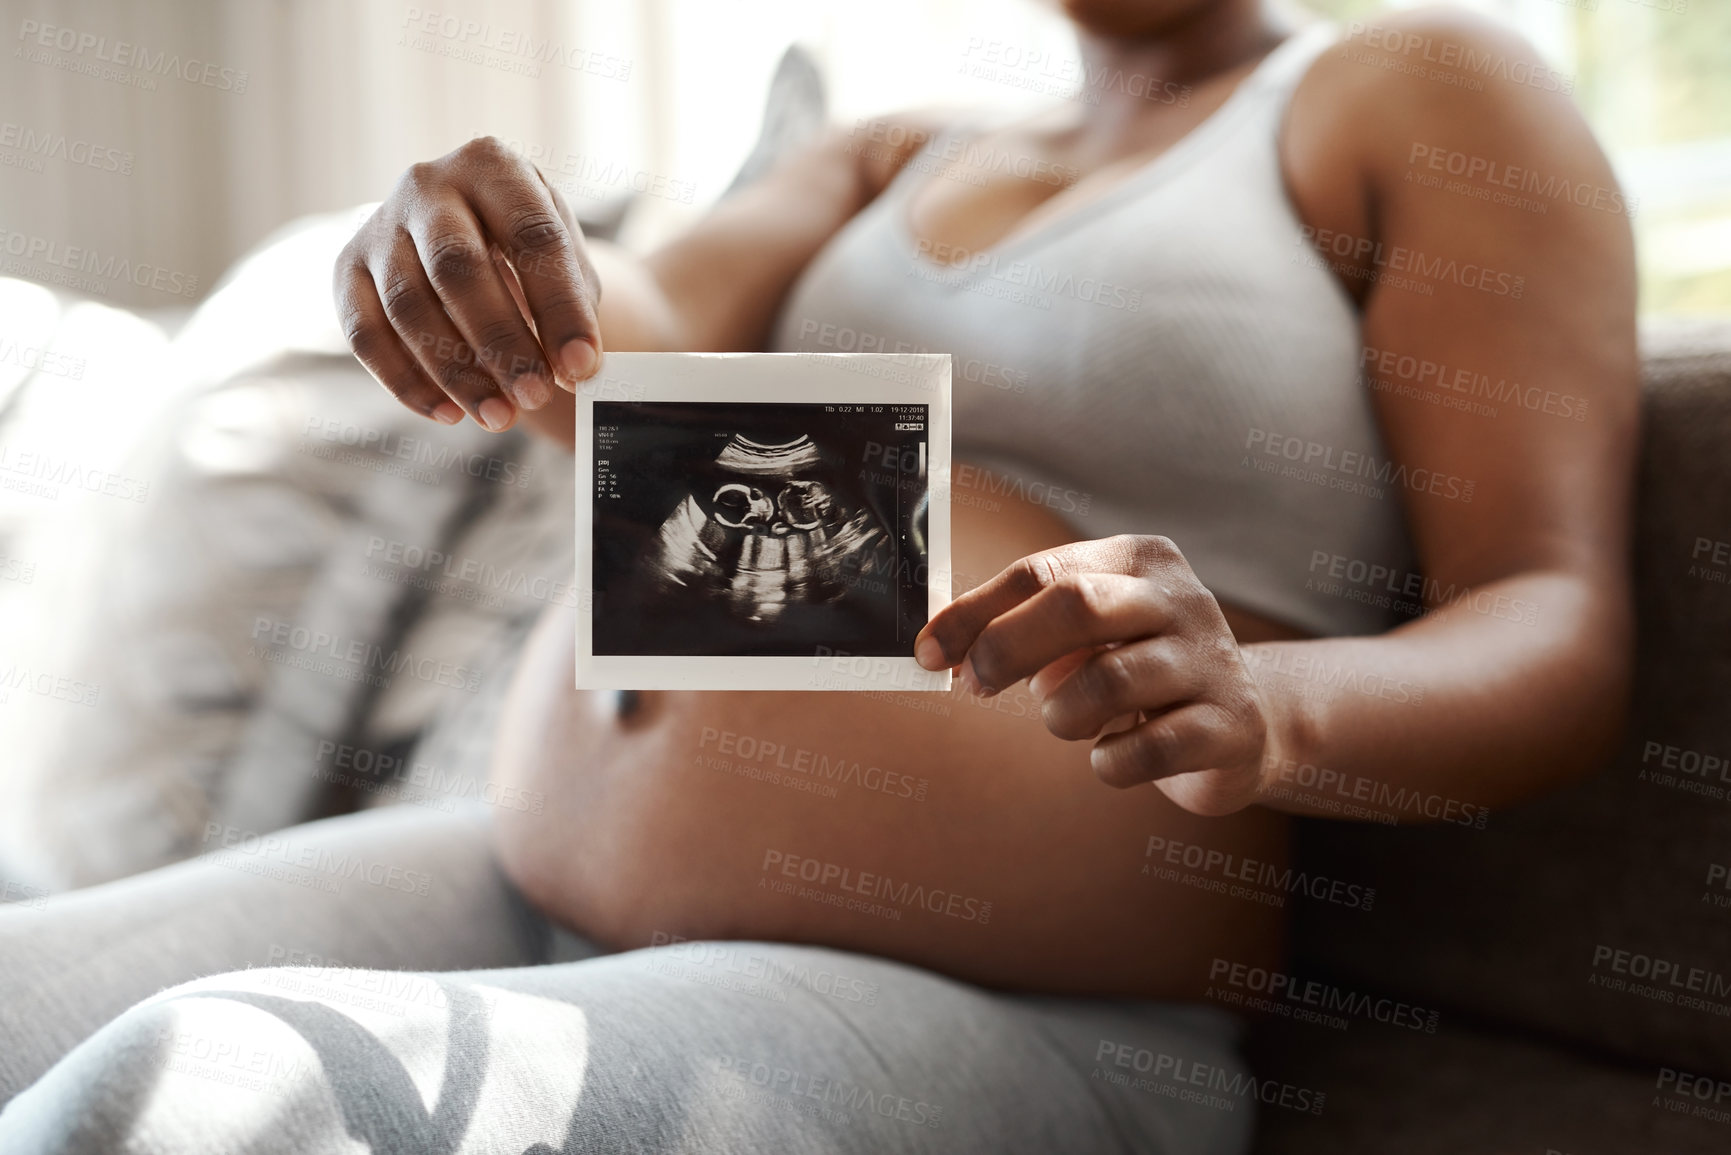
column 316, row 105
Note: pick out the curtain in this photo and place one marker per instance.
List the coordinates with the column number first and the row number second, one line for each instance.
column 173, row 135
column 144, row 146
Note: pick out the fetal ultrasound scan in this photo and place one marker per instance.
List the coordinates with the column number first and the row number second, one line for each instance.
column 724, row 528
column 739, row 530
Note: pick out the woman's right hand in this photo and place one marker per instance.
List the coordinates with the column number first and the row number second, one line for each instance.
column 469, row 289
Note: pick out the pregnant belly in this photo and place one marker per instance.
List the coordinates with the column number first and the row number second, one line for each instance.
column 938, row 829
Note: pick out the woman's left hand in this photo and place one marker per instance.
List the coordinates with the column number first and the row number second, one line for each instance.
column 1118, row 628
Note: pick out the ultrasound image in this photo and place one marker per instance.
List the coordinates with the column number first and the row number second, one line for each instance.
column 733, row 528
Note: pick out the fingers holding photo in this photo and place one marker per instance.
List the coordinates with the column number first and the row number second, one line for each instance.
column 471, row 280
column 1112, row 629
column 1076, row 596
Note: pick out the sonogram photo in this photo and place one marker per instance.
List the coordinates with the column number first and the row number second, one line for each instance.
column 736, row 529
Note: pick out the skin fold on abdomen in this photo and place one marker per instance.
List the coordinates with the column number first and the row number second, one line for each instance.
column 942, row 830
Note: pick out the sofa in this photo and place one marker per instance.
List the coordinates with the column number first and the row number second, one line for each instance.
column 1576, row 951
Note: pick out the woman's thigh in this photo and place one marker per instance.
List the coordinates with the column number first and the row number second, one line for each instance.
column 405, row 887
column 711, row 1047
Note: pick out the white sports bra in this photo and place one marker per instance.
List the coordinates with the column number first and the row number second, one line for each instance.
column 1170, row 358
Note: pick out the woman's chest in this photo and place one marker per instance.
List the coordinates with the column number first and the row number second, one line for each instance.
column 980, row 193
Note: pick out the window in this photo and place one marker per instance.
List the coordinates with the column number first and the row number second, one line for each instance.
column 1653, row 78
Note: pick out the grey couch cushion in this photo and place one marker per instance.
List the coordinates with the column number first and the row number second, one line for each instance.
column 256, row 612
column 1522, row 923
column 1467, row 1092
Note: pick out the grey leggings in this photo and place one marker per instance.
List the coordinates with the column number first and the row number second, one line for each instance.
column 373, row 984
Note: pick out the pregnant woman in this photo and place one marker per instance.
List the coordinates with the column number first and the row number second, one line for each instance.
column 1290, row 451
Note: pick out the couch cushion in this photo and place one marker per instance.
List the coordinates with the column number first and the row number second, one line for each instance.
column 255, row 464
column 1468, row 1092
column 1601, row 913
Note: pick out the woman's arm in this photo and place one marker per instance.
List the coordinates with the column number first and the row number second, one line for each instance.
column 1517, row 677
column 471, row 290
column 1524, row 658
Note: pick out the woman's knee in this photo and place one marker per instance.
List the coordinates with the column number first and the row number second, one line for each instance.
column 300, row 1059
column 190, row 1070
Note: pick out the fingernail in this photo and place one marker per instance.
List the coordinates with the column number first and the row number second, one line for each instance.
column 929, row 654
column 530, row 391
column 971, row 679
column 447, row 413
column 495, row 414
column 577, row 359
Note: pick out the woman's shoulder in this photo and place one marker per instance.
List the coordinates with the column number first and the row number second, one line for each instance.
column 1413, row 69
column 1430, row 93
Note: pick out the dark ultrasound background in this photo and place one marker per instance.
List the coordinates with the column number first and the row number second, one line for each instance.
column 661, row 453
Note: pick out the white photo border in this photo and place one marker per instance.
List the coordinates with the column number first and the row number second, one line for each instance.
column 785, row 378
